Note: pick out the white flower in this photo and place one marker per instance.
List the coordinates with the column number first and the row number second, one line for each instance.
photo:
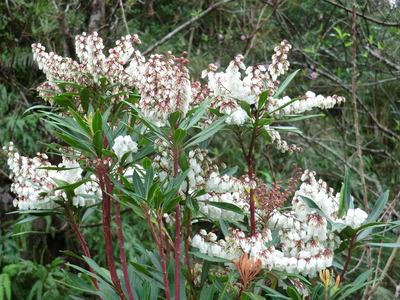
column 238, row 117
column 355, row 217
column 124, row 144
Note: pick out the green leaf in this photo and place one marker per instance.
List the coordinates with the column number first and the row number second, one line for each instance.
column 311, row 204
column 293, row 293
column 179, row 136
column 64, row 101
column 273, row 293
column 344, row 199
column 193, row 119
column 251, row 296
column 138, row 184
column 173, row 118
column 265, row 121
column 226, row 206
column 64, row 185
column 84, row 96
column 206, row 133
column 73, row 142
column 284, row 105
column 207, row 292
column 378, row 207
column 224, row 227
column 146, row 163
column 97, row 122
column 97, row 269
column 183, row 162
column 209, row 258
column 98, row 142
column 285, row 83
column 246, row 107
column 171, row 203
column 385, row 245
column 301, row 118
column 82, row 124
column 262, row 99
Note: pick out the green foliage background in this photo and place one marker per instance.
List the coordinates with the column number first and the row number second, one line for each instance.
column 320, row 33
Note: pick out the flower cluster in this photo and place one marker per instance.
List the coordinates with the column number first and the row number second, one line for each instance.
column 279, row 143
column 35, row 181
column 307, row 102
column 306, row 244
column 280, row 64
column 92, row 65
column 225, row 189
column 228, row 88
column 164, row 87
column 234, row 245
column 240, row 83
column 203, row 174
column 124, row 144
column 355, row 217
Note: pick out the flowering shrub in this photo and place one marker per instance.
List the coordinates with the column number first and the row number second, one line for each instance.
column 133, row 131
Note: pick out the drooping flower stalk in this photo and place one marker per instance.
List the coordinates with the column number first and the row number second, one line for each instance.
column 121, row 248
column 106, row 189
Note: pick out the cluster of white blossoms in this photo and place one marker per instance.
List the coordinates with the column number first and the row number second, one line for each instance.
column 203, row 174
column 280, row 63
column 355, row 217
column 306, row 243
column 35, row 181
column 307, row 102
column 164, row 87
column 93, row 64
column 228, row 88
column 225, row 189
column 279, row 143
column 199, row 166
column 124, row 144
column 234, row 245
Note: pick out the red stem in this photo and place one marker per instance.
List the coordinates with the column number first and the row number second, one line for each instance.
column 346, row 264
column 187, row 257
column 106, row 189
column 178, row 233
column 162, row 257
column 121, row 247
column 84, row 246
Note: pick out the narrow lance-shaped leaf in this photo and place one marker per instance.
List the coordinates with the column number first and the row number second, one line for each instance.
column 199, row 112
column 285, row 83
column 378, row 207
column 206, row 133
column 344, row 198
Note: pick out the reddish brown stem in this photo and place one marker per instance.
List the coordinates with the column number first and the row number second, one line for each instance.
column 121, row 247
column 162, row 258
column 178, row 233
column 84, row 246
column 106, row 189
column 167, row 246
column 187, row 257
column 346, row 264
column 159, row 240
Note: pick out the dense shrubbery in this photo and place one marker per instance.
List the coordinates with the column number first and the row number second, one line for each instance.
column 135, row 132
column 183, row 173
